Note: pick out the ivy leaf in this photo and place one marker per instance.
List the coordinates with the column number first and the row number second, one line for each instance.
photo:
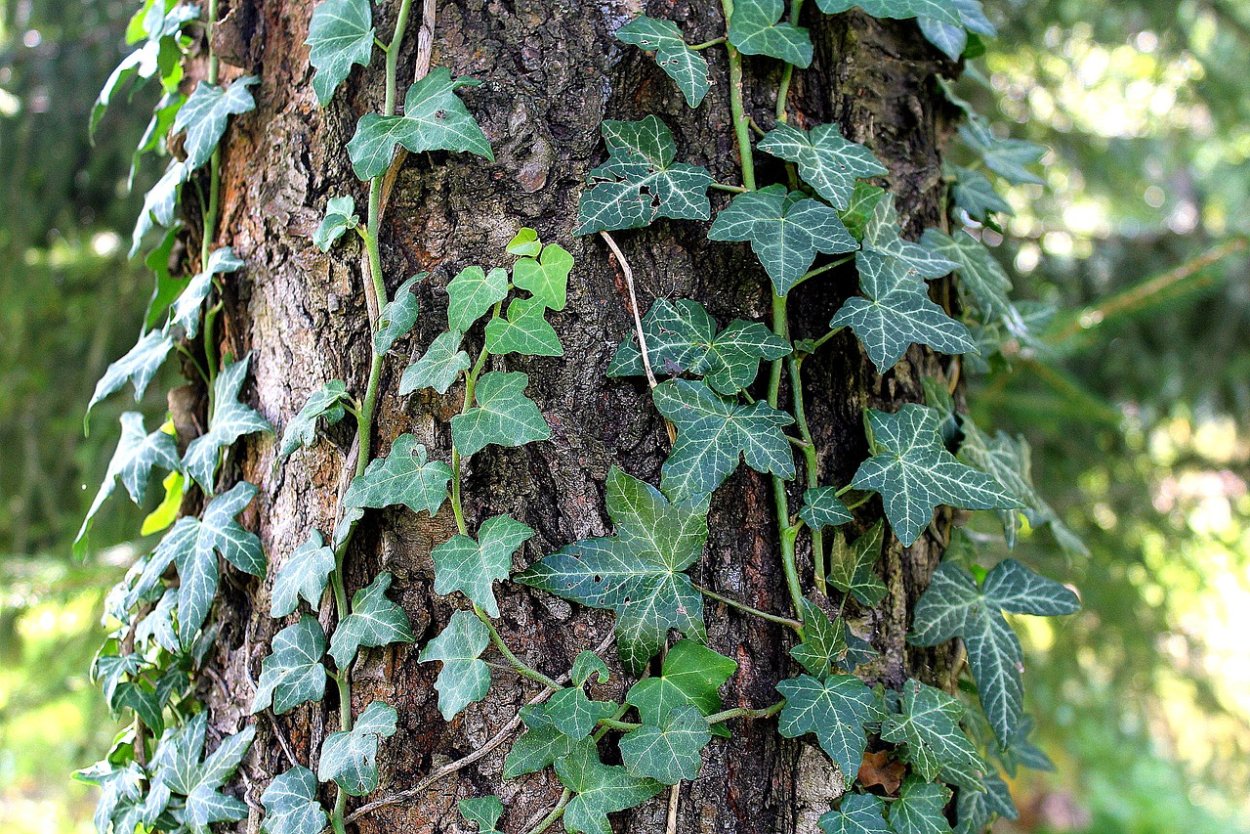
column 954, row 606
column 882, row 235
column 340, row 217
column 835, row 709
column 471, row 567
column 860, row 813
column 340, row 34
column 231, row 420
column 935, row 745
column 951, row 38
column 178, row 765
column 690, row 674
column 140, row 700
column 682, row 64
column 914, row 473
column 824, row 642
column 974, row 810
column 540, row 746
column 943, row 22
column 598, row 789
column 186, row 310
column 292, row 673
column 714, row 433
column 405, row 476
column 503, row 415
column 471, row 293
column 546, row 277
column 1011, row 159
column 205, row 114
column 435, row 119
column 919, row 808
column 973, row 192
column 465, row 678
column 137, row 367
column 588, row 665
column 524, row 331
column 641, row 181
column 827, row 160
column 755, row 29
column 291, row 805
column 525, row 243
column 851, row 568
column 823, row 508
column 375, row 621
column 119, row 788
column 159, row 204
column 398, row 316
column 785, row 229
column 638, row 572
column 483, row 810
column 351, row 758
column 574, row 714
column 982, row 279
column 670, row 751
column 326, row 403
column 682, row 338
column 439, row 367
column 303, row 574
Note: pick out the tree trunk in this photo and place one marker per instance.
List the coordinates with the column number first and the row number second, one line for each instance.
column 551, row 71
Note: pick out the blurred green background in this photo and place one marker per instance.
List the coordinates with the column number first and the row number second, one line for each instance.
column 1136, row 405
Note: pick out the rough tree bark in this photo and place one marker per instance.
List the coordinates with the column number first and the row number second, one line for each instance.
column 551, row 71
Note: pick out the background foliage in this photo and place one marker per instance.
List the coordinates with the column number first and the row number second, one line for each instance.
column 1136, row 416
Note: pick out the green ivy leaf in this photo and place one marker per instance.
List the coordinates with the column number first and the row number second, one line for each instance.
column 471, row 293
column 835, row 709
column 714, row 433
column 291, row 805
column 982, row 280
column 824, row 642
column 435, row 119
column 882, row 235
column 944, row 22
column 919, row 808
column 525, row 243
column 351, row 758
column 465, row 678
column 851, row 568
column 483, row 810
column 205, row 114
column 398, row 316
column 682, row 338
column 120, row 787
column 690, row 674
column 439, row 367
column 524, row 331
column 340, row 35
column 545, row 277
column 785, row 229
column 935, row 745
column 669, row 751
column 186, row 310
column 303, row 574
column 231, row 420
column 973, row 192
column 598, row 790
column 160, row 203
column 539, row 747
column 755, row 29
column 292, row 674
column 405, row 476
column 897, row 313
column 859, row 813
column 827, row 161
column 974, row 810
column 641, row 181
column 574, row 714
column 1011, row 159
column 682, row 64
column 137, row 367
column 142, row 701
column 178, row 765
column 953, row 39
column 588, row 665
column 340, row 217
column 638, row 572
column 326, row 403
column 914, row 473
column 503, row 415
column 823, row 508
column 375, row 621
column 954, row 606
column 472, row 567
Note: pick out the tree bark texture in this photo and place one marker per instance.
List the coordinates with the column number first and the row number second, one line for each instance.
column 551, row 71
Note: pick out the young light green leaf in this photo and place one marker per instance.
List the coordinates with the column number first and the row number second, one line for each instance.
column 641, row 181
column 823, row 508
column 827, row 161
column 851, row 568
column 375, row 621
column 398, row 316
column 291, row 805
column 340, row 35
column 755, row 29
column 340, row 217
column 682, row 64
column 186, row 310
column 785, row 229
column 351, row 758
column 471, row 293
column 973, row 192
column 913, row 472
column 524, row 331
column 205, row 114
column 690, row 674
column 835, row 709
column 472, row 567
column 1011, row 159
column 137, row 367
column 435, row 119
column 231, row 420
column 637, row 572
column 598, row 789
column 503, row 415
column 292, row 674
column 483, row 810
column 882, row 232
column 982, row 279
column 897, row 313
column 405, row 476
column 714, row 434
column 525, row 243
column 464, row 678
column 326, row 403
column 669, row 751
column 859, row 813
column 546, row 277
column 919, row 808
column 935, row 746
column 303, row 574
column 823, row 649
column 974, row 810
column 439, row 367
column 954, row 606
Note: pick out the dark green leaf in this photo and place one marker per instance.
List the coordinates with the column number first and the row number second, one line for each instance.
column 231, row 420
column 398, row 316
column 485, row 811
column 503, row 415
column 598, row 790
column 823, row 508
column 669, row 751
column 935, row 746
column 326, row 403
column 755, row 29
column 919, row 808
column 340, row 34
column 827, row 161
column 351, row 758
column 682, row 64
column 472, row 567
column 835, row 709
column 859, row 813
column 292, row 674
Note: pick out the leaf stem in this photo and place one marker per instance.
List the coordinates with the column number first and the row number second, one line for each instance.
column 701, row 46
column 823, row 268
column 745, row 712
column 470, row 388
column 811, row 466
column 787, row 72
column 741, row 122
column 522, row 668
column 742, row 606
column 555, row 814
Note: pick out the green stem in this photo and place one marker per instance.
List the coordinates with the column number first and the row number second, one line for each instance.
column 553, row 817
column 823, row 268
column 713, row 42
column 744, row 712
column 742, row 606
column 623, row 726
column 787, row 73
column 811, row 466
column 819, row 343
column 742, row 124
column 733, row 189
column 209, row 230
column 786, row 533
column 523, row 669
column 470, row 388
